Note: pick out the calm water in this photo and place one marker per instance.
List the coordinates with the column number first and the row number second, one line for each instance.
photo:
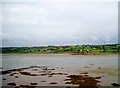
column 12, row 61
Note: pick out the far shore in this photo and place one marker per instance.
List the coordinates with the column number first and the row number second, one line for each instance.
column 95, row 53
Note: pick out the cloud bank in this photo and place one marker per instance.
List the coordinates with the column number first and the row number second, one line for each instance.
column 59, row 23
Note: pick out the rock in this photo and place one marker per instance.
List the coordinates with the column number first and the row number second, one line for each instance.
column 68, row 87
column 67, row 82
column 28, row 73
column 12, row 74
column 12, row 70
column 43, row 74
column 56, row 74
column 7, row 72
column 50, row 76
column 45, row 69
column 12, row 84
column 4, row 72
column 67, row 79
column 115, row 84
column 33, row 83
column 82, row 80
column 97, row 77
column 99, row 67
column 34, row 75
column 51, row 69
column 4, row 79
column 65, row 74
column 43, row 81
column 17, row 87
column 53, row 83
column 25, row 73
column 16, row 77
column 27, row 86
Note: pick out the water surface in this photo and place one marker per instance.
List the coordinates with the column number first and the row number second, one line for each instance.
column 12, row 61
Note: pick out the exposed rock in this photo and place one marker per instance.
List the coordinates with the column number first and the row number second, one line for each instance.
column 53, row 83
column 99, row 67
column 68, row 87
column 97, row 77
column 25, row 73
column 12, row 84
column 50, row 76
column 33, row 83
column 4, row 72
column 50, row 69
column 17, row 87
column 43, row 74
column 28, row 73
column 4, row 79
column 57, row 74
column 34, row 75
column 45, row 69
column 83, row 80
column 68, row 83
column 67, row 79
column 115, row 84
column 65, row 74
column 43, row 81
column 27, row 86
column 12, row 70
column 16, row 77
column 12, row 74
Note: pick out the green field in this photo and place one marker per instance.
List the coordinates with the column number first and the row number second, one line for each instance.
column 75, row 49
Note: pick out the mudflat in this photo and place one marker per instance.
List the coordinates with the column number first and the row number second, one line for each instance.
column 59, row 70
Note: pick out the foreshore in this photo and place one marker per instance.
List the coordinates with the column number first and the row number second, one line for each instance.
column 33, row 70
column 57, row 76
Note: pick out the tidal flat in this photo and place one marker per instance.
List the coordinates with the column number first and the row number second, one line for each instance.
column 33, row 70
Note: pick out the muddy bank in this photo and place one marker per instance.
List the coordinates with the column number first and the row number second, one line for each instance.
column 33, row 76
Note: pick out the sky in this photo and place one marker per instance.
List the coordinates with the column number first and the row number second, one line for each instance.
column 58, row 22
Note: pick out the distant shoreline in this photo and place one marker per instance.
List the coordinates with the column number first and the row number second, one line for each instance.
column 73, row 50
column 105, row 53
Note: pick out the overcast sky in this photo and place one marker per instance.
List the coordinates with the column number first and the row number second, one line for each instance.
column 59, row 23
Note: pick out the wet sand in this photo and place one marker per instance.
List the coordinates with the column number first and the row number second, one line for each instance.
column 66, row 71
column 57, row 76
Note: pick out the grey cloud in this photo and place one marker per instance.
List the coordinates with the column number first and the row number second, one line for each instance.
column 30, row 24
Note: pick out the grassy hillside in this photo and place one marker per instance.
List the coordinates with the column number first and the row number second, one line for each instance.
column 78, row 49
